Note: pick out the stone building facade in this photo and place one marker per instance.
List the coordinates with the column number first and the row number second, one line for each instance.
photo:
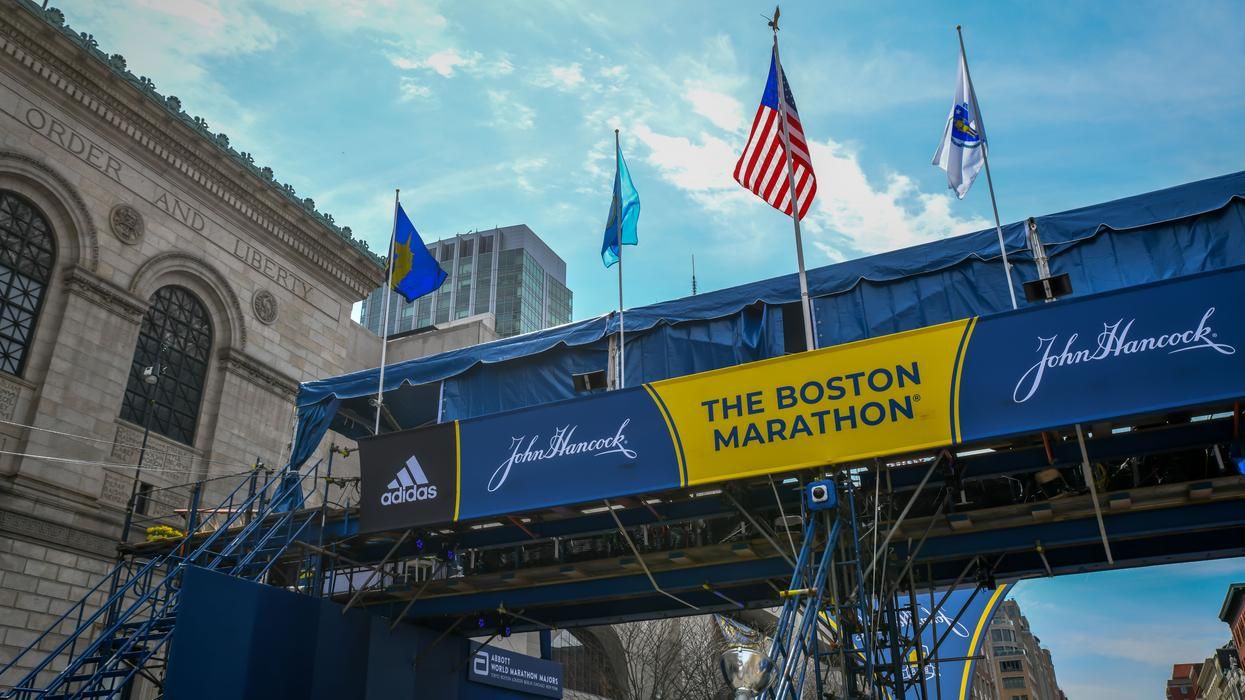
column 132, row 234
column 1016, row 664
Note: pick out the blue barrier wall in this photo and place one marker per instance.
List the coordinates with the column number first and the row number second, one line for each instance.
column 245, row 641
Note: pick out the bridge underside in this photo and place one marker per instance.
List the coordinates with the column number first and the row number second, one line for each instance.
column 1168, row 488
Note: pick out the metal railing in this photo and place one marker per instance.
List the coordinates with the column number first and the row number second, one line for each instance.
column 133, row 635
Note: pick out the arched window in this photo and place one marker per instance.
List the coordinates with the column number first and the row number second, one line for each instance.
column 27, row 252
column 176, row 336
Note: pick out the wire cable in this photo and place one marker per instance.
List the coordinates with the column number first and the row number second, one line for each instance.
column 116, row 443
column 112, row 465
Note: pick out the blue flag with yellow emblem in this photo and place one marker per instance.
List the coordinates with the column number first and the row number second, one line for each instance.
column 413, row 271
column 626, row 201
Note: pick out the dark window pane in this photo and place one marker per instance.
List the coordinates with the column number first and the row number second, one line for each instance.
column 27, row 253
column 176, row 335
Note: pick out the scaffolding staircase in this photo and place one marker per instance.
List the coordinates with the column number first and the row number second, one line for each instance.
column 128, row 634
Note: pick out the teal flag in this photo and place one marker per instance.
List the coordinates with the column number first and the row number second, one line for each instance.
column 627, row 201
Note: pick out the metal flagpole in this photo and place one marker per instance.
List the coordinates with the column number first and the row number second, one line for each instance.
column 384, row 328
column 985, row 156
column 809, row 340
column 622, row 346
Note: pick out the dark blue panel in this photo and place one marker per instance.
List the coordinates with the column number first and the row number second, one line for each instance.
column 568, row 452
column 245, row 641
column 666, row 351
column 236, row 633
column 341, row 650
column 1136, row 351
column 527, row 381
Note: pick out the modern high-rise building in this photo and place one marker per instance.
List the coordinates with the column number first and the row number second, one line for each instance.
column 508, row 272
column 1021, row 668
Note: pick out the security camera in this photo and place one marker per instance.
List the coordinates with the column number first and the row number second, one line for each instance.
column 822, row 496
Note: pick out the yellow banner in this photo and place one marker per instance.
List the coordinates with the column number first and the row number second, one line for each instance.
column 879, row 396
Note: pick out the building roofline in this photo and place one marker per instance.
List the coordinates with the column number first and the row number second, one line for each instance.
column 1229, row 602
column 282, row 200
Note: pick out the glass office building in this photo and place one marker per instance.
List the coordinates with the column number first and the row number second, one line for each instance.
column 508, row 272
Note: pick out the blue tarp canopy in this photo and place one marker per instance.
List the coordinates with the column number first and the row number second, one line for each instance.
column 1190, row 228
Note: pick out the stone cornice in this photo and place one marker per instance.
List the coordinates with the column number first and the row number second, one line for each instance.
column 86, row 284
column 70, row 64
column 258, row 373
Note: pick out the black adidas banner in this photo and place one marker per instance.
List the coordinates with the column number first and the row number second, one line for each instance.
column 408, row 478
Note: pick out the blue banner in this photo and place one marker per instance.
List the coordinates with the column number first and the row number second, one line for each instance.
column 966, row 638
column 1167, row 346
column 579, row 451
column 503, row 668
column 1139, row 350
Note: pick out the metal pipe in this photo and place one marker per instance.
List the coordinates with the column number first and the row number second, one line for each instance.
column 398, row 620
column 765, row 533
column 877, row 553
column 610, row 509
column 379, row 569
column 943, row 600
column 782, row 513
column 1093, row 492
column 955, row 620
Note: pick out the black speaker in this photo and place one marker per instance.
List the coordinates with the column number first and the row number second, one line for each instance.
column 1060, row 286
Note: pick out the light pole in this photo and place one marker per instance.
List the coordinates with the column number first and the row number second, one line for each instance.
column 151, row 377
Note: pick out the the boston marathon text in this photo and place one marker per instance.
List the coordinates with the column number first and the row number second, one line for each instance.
column 840, row 403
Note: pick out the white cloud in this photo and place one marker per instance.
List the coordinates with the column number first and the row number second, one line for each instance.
column 413, row 20
column 448, row 62
column 701, row 168
column 724, row 111
column 851, row 215
column 502, row 66
column 445, row 62
column 562, row 77
column 410, row 90
column 509, row 113
column 613, row 72
column 525, row 166
column 851, row 209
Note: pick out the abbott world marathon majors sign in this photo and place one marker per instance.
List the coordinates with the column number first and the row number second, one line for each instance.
column 513, row 671
column 1140, row 350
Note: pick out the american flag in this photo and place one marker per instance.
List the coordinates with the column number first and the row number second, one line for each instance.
column 763, row 166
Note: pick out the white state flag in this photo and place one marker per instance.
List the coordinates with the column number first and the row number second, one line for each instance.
column 961, row 152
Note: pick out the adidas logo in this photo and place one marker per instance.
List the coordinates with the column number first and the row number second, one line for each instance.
column 409, row 485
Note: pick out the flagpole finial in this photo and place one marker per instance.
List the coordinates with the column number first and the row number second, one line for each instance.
column 773, row 22
column 957, row 27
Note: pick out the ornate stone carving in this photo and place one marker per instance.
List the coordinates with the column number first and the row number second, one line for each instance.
column 264, row 304
column 259, row 374
column 86, row 285
column 126, row 223
column 116, row 489
column 8, row 399
column 161, row 454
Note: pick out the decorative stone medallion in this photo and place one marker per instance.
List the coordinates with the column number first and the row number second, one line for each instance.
column 264, row 304
column 126, row 223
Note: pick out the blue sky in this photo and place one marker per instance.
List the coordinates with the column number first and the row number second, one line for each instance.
column 494, row 113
